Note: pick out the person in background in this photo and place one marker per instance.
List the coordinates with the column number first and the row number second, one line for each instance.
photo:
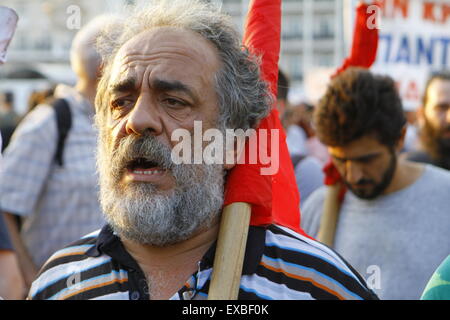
column 315, row 148
column 295, row 135
column 56, row 194
column 282, row 93
column 438, row 288
column 40, row 97
column 8, row 117
column 434, row 123
column 12, row 285
column 308, row 169
column 290, row 118
column 411, row 138
column 386, row 227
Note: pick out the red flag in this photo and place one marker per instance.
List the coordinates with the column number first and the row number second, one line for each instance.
column 365, row 40
column 274, row 198
column 363, row 54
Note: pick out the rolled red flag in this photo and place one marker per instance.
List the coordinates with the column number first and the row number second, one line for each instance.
column 365, row 40
column 274, row 198
column 363, row 54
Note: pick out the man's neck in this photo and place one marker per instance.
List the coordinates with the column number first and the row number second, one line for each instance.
column 168, row 268
column 406, row 173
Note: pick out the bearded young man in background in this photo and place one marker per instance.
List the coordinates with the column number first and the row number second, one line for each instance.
column 434, row 123
column 393, row 222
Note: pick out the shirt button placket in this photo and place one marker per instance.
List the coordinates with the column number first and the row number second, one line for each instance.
column 187, row 295
column 135, row 295
column 143, row 286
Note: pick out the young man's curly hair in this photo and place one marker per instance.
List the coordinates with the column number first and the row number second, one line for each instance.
column 358, row 103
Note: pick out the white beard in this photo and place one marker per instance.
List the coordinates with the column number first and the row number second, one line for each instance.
column 140, row 212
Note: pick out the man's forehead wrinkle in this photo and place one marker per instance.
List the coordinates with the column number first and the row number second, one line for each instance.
column 134, row 61
column 171, row 58
column 120, row 69
column 132, row 70
column 179, row 41
column 163, row 53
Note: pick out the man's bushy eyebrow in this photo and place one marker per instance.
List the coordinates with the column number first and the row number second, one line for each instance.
column 168, row 85
column 129, row 84
column 173, row 85
column 361, row 158
column 125, row 85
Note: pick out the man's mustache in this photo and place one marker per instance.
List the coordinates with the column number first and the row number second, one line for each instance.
column 362, row 183
column 145, row 148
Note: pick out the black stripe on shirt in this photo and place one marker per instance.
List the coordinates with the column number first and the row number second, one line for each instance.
column 52, row 262
column 295, row 284
column 115, row 287
column 277, row 230
column 61, row 284
column 63, row 260
column 320, row 265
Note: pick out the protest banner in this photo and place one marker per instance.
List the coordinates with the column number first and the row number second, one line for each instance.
column 414, row 40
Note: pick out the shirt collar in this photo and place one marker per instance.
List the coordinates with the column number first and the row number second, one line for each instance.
column 111, row 245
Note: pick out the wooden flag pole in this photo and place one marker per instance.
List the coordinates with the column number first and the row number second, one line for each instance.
column 230, row 252
column 330, row 215
column 261, row 36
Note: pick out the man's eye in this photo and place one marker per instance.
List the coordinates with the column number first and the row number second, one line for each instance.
column 442, row 107
column 365, row 160
column 174, row 103
column 120, row 103
column 338, row 160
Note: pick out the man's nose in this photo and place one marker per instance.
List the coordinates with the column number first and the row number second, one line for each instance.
column 353, row 172
column 144, row 117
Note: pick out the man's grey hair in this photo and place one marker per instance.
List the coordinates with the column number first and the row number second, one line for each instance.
column 243, row 97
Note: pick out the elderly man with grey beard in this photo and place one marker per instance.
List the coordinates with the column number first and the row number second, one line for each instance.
column 173, row 63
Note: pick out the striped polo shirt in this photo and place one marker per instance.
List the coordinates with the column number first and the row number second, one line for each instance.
column 279, row 264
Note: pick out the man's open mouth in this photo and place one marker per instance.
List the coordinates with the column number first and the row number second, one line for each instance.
column 145, row 166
